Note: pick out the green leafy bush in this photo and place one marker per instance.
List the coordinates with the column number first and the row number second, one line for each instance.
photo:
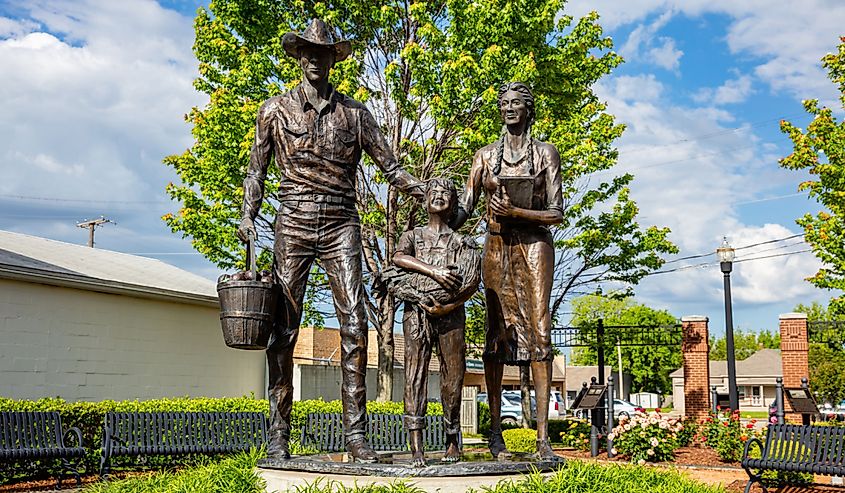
column 575, row 433
column 483, row 418
column 520, row 440
column 724, row 432
column 647, row 437
column 689, row 429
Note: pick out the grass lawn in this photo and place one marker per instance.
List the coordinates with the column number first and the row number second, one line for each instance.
column 237, row 475
column 754, row 414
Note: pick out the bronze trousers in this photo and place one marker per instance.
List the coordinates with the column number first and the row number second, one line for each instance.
column 422, row 334
column 330, row 231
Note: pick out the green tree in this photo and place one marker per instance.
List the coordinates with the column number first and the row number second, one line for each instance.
column 820, row 150
column 649, row 366
column 429, row 72
column 826, row 353
column 745, row 344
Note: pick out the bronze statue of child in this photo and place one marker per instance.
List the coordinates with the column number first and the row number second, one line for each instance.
column 435, row 271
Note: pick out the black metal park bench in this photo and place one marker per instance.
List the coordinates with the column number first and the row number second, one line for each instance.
column 386, row 432
column 33, row 436
column 180, row 433
column 796, row 449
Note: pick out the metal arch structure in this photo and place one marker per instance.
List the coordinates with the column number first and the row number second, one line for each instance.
column 596, row 335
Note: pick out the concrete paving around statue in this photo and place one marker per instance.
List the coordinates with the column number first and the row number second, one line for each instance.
column 281, row 481
column 479, row 471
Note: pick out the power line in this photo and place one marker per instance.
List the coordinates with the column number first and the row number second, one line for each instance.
column 713, row 264
column 769, row 241
column 702, row 255
column 86, row 201
column 774, row 255
column 767, row 199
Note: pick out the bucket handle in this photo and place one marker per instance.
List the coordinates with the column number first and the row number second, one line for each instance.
column 250, row 255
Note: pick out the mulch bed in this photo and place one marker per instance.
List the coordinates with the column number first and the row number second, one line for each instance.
column 684, row 456
column 68, row 483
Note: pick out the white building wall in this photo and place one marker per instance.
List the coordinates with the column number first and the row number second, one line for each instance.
column 83, row 345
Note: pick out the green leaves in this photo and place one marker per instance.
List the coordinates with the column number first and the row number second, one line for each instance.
column 429, row 70
column 649, row 366
column 820, row 150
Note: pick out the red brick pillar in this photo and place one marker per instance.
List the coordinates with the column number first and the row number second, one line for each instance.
column 794, row 353
column 696, row 352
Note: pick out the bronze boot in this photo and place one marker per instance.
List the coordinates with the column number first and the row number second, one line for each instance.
column 361, row 451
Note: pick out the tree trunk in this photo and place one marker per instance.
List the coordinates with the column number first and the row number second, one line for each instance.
column 385, row 348
column 387, row 310
column 525, row 390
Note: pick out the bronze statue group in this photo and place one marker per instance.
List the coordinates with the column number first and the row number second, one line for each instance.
column 316, row 137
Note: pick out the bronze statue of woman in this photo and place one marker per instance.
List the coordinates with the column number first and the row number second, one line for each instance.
column 521, row 179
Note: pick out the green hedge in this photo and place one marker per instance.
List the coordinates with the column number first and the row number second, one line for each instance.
column 88, row 417
column 520, row 440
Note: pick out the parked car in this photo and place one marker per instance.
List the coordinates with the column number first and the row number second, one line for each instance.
column 625, row 409
column 557, row 407
column 511, row 406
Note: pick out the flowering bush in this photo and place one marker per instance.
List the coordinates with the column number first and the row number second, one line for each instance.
column 576, row 434
column 724, row 432
column 647, row 437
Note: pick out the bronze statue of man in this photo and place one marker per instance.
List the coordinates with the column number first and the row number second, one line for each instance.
column 316, row 135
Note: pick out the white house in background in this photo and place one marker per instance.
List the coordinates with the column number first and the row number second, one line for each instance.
column 89, row 324
column 755, row 379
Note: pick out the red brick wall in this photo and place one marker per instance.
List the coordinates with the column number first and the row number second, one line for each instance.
column 696, row 348
column 793, row 352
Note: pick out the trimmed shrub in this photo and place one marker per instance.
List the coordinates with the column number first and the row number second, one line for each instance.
column 520, row 440
column 483, row 418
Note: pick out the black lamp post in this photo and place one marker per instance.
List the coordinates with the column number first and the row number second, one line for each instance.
column 726, row 256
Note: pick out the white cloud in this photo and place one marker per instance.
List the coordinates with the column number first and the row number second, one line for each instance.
column 94, row 94
column 15, row 27
column 732, row 91
column 634, row 88
column 788, row 38
column 643, row 44
column 692, row 165
column 666, row 55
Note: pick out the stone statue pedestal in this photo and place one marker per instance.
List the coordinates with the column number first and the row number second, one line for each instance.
column 476, row 470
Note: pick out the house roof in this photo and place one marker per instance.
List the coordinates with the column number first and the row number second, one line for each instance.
column 577, row 375
column 763, row 363
column 40, row 260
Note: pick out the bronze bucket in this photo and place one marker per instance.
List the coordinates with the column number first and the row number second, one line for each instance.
column 247, row 308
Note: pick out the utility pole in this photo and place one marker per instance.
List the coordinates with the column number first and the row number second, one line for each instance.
column 91, row 224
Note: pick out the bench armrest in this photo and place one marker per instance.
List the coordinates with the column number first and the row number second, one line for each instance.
column 749, row 443
column 75, row 432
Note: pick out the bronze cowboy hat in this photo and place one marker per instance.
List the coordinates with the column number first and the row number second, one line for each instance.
column 317, row 34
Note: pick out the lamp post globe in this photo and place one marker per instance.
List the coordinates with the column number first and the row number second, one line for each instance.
column 726, row 255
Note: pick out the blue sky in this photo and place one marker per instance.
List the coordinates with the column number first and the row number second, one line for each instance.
column 95, row 91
